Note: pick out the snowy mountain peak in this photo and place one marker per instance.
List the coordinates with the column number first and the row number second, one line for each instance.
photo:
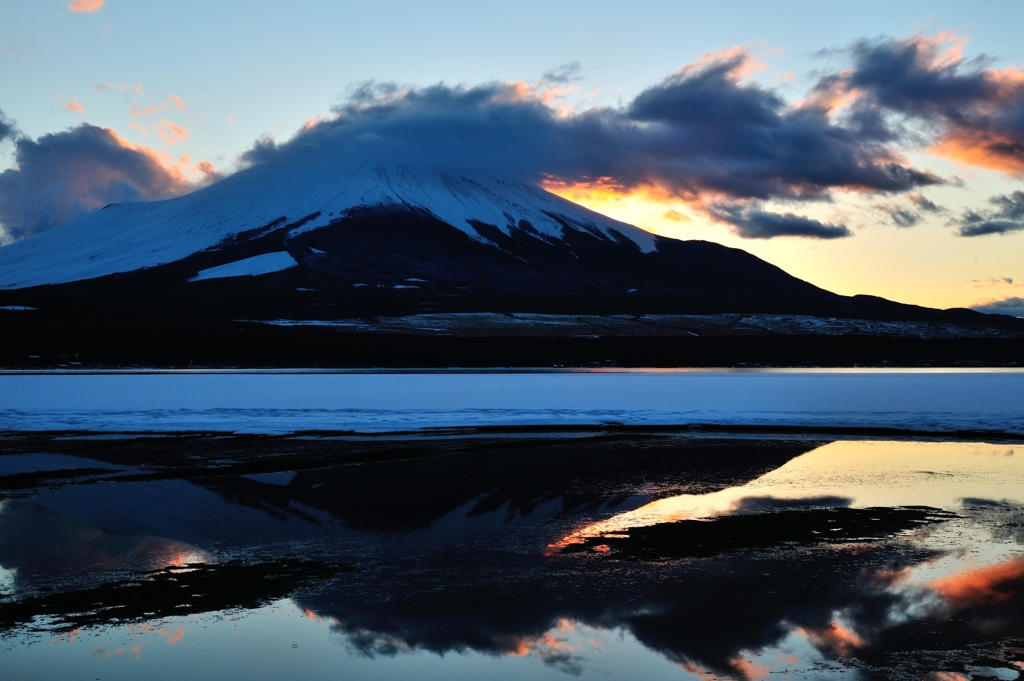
column 129, row 237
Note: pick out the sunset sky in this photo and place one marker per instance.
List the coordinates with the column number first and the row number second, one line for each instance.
column 871, row 147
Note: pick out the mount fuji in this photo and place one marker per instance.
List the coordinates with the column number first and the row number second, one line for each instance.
column 299, row 245
column 423, row 239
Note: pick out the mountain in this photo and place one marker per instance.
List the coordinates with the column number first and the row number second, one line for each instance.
column 373, row 239
column 352, row 248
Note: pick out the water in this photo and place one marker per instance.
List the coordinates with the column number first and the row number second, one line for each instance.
column 535, row 554
column 922, row 401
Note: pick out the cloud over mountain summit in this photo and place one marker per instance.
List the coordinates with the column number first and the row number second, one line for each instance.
column 708, row 135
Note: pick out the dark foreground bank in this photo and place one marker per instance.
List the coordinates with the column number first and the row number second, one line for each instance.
column 72, row 336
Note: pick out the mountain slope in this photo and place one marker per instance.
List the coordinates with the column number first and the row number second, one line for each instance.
column 325, row 242
column 127, row 237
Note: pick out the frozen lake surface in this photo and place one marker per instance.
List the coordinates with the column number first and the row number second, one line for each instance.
column 282, row 402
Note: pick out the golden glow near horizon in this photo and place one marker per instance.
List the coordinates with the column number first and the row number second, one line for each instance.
column 926, row 264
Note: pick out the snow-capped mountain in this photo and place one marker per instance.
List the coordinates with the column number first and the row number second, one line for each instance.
column 323, row 241
column 128, row 237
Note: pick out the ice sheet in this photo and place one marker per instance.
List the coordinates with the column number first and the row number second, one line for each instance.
column 282, row 403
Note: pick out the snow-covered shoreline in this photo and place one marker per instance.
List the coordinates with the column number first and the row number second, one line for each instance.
column 916, row 401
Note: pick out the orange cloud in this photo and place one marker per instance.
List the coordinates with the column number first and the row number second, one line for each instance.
column 86, row 6
column 834, row 95
column 985, row 586
column 601, row 193
column 977, row 142
column 675, row 216
column 138, row 111
column 975, row 111
column 71, row 105
column 208, row 171
column 983, row 149
column 745, row 65
column 171, row 133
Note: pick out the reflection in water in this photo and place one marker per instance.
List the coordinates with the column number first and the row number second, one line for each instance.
column 42, row 547
column 635, row 555
column 849, row 473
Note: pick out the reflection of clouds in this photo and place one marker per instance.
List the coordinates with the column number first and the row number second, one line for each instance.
column 39, row 543
column 737, row 616
column 1004, row 519
column 981, row 587
column 833, row 637
column 731, row 501
column 845, row 473
column 731, row 617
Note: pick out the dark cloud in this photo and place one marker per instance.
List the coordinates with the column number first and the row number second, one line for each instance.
column 65, row 175
column 705, row 130
column 970, row 113
column 704, row 135
column 903, row 217
column 915, row 76
column 753, row 223
column 925, row 204
column 8, row 131
column 1006, row 217
column 563, row 75
column 701, row 134
column 1009, row 306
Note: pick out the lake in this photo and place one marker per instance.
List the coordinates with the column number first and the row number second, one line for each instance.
column 468, row 547
column 284, row 402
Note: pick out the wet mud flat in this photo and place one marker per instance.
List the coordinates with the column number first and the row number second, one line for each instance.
column 527, row 552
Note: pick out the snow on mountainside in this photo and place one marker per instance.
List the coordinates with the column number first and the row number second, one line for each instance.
column 129, row 237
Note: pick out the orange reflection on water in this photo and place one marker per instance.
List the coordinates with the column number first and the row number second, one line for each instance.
column 668, row 510
column 981, row 587
column 547, row 645
column 863, row 473
column 68, row 637
column 323, row 621
column 833, row 637
column 178, row 634
column 748, row 668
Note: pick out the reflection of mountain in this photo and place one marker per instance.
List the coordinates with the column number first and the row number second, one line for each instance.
column 451, row 535
column 418, row 485
column 706, row 614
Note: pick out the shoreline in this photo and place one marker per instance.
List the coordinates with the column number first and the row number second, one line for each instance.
column 89, row 371
column 695, row 431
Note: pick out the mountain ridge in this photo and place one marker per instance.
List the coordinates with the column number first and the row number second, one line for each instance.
column 127, row 237
column 242, row 269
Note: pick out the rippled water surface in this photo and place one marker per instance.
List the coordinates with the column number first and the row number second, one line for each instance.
column 530, row 554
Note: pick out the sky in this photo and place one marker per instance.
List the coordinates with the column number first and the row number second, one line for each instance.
column 870, row 147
